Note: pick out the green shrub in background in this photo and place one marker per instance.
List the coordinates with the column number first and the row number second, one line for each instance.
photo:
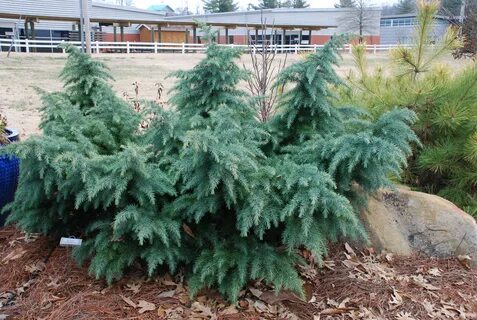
column 206, row 186
column 445, row 101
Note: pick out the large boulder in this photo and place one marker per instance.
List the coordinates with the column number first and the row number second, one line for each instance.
column 404, row 221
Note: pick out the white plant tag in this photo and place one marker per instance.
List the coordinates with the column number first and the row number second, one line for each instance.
column 70, row 242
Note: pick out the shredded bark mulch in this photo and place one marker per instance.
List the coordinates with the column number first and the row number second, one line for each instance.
column 39, row 280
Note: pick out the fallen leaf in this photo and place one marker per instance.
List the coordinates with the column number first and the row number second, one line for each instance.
column 202, row 309
column 464, row 260
column 284, row 295
column 332, row 303
column 351, row 264
column 349, row 249
column 35, row 267
column 429, row 306
column 370, row 251
column 389, row 257
column 260, row 306
column 15, row 254
column 134, row 287
column 145, row 306
column 243, row 304
column 396, row 299
column 161, row 312
column 329, row 264
column 343, row 303
column 229, row 310
column 184, row 298
column 167, row 294
column 54, row 282
column 423, row 283
column 404, row 316
column 128, row 301
column 332, row 311
column 434, row 272
column 257, row 293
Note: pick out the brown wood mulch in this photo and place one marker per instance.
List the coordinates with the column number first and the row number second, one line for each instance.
column 39, row 280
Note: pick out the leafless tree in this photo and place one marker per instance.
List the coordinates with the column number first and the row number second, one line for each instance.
column 127, row 3
column 469, row 27
column 266, row 65
column 360, row 19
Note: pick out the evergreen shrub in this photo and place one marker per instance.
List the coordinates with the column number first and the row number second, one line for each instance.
column 206, row 187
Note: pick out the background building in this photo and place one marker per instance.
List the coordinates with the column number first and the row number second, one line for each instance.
column 400, row 29
column 59, row 20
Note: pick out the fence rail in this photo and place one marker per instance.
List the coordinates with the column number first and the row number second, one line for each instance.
column 26, row 45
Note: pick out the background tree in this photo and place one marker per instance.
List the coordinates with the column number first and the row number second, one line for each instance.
column 406, row 6
column 444, row 99
column 450, row 8
column 266, row 4
column 360, row 19
column 127, row 3
column 220, row 5
column 300, row 4
column 469, row 28
column 346, row 4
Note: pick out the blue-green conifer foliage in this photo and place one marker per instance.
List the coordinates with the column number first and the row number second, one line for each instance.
column 206, row 187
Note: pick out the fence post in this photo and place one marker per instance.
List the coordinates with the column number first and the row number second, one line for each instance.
column 155, row 47
column 296, row 48
column 97, row 46
column 62, row 46
column 127, row 47
column 183, row 47
column 375, row 49
column 27, row 47
column 350, row 49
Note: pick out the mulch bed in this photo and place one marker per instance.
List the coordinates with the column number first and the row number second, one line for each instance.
column 39, row 280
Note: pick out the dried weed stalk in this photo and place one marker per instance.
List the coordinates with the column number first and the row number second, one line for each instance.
column 265, row 67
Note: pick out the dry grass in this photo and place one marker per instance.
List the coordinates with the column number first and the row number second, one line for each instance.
column 20, row 73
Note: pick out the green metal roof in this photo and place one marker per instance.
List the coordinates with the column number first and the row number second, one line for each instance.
column 160, row 7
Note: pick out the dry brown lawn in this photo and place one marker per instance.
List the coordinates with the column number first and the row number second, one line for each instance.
column 21, row 73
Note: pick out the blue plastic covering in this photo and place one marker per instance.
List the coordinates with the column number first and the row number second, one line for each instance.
column 9, row 171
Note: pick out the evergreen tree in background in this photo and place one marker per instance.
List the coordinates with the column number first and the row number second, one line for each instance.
column 406, row 6
column 346, row 4
column 206, row 186
column 444, row 99
column 214, row 6
column 298, row 4
column 273, row 4
column 267, row 4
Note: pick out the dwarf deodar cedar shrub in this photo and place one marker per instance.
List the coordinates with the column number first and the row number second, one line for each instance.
column 206, row 187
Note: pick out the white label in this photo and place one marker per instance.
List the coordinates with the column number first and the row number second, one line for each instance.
column 70, row 242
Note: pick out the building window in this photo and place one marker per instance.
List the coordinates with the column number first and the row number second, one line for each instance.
column 398, row 22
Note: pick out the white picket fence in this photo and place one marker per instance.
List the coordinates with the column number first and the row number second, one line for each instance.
column 97, row 47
